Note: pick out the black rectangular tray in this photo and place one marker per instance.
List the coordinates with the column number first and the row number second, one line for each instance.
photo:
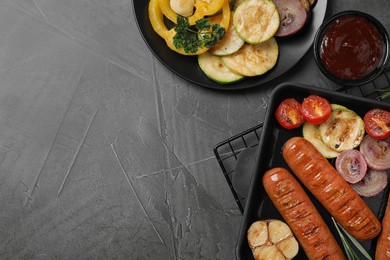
column 230, row 152
column 273, row 136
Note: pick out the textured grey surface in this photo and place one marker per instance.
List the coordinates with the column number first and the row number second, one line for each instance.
column 105, row 153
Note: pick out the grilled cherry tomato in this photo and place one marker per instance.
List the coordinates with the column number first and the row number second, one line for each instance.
column 316, row 109
column 377, row 123
column 289, row 114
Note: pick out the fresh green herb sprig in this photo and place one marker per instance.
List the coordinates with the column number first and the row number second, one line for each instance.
column 191, row 38
column 351, row 254
column 385, row 93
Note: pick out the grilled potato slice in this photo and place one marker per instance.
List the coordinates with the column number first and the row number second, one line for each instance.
column 253, row 60
column 256, row 21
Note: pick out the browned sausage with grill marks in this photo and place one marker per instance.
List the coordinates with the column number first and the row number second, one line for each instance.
column 330, row 189
column 383, row 243
column 301, row 215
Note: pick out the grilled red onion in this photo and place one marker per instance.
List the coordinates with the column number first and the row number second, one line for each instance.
column 376, row 152
column 292, row 15
column 351, row 165
column 372, row 184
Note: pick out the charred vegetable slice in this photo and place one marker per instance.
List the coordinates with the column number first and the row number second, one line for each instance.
column 292, row 15
column 316, row 109
column 337, row 106
column 372, row 184
column 230, row 43
column 253, row 60
column 235, row 3
column 216, row 70
column 376, row 152
column 351, row 165
column 311, row 132
column 288, row 113
column 344, row 129
column 377, row 123
column 272, row 239
column 256, row 20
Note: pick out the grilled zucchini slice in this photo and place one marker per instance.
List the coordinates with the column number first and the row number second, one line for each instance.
column 312, row 133
column 253, row 60
column 215, row 69
column 337, row 106
column 230, row 43
column 256, row 21
column 344, row 129
column 235, row 3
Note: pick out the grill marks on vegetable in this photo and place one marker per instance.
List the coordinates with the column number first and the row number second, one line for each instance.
column 344, row 130
column 248, row 25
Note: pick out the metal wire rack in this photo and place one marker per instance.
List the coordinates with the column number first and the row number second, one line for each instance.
column 227, row 152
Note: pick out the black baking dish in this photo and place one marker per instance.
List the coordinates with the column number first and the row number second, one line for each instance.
column 258, row 205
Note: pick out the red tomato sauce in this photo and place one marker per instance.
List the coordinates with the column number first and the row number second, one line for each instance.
column 351, row 48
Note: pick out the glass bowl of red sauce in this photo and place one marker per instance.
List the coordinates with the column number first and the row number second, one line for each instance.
column 351, row 48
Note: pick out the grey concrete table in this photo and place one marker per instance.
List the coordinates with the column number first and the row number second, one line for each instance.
column 105, row 153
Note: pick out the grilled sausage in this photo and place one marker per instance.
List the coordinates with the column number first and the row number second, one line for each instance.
column 330, row 189
column 383, row 244
column 301, row 215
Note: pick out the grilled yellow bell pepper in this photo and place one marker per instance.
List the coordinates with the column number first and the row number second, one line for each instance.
column 156, row 18
column 202, row 8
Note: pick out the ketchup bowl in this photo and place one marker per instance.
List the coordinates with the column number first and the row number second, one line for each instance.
column 351, row 48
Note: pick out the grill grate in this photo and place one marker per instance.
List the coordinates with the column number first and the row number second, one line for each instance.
column 227, row 152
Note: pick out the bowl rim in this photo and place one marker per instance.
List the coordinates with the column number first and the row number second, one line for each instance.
column 371, row 76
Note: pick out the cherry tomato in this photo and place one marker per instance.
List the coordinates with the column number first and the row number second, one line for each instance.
column 289, row 114
column 377, row 123
column 316, row 109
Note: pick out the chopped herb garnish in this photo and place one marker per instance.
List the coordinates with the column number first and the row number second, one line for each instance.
column 192, row 38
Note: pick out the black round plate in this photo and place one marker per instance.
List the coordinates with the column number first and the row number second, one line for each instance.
column 291, row 49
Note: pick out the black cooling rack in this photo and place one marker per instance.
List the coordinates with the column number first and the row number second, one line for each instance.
column 227, row 152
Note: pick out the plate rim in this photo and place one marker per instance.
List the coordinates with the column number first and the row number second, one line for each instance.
column 249, row 82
